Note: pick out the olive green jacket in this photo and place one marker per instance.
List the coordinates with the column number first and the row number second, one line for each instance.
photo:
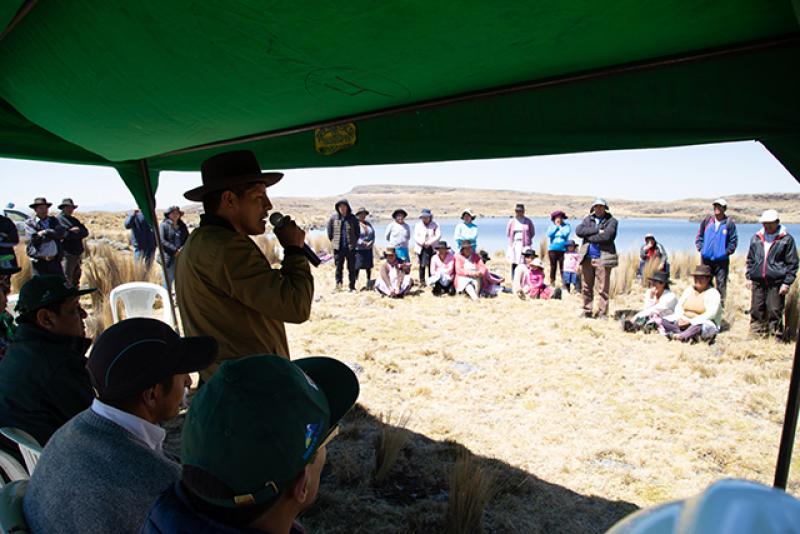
column 227, row 289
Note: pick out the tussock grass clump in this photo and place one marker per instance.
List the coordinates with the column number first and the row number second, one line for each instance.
column 19, row 279
column 390, row 442
column 472, row 486
column 319, row 243
column 270, row 248
column 105, row 268
column 623, row 276
column 682, row 263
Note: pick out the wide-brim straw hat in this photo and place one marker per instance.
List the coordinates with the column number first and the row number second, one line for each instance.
column 39, row 201
column 701, row 270
column 67, row 202
column 228, row 169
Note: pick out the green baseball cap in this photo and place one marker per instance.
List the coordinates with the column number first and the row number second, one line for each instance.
column 252, row 429
column 42, row 290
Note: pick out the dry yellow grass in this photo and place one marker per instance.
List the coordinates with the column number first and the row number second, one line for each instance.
column 392, row 440
column 471, row 488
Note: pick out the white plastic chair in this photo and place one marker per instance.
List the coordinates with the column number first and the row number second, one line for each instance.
column 11, row 468
column 28, row 446
column 138, row 299
column 11, row 304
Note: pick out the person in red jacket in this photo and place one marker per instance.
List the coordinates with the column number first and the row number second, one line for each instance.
column 771, row 270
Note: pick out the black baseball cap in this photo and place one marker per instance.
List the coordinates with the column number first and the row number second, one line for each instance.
column 137, row 353
column 253, row 427
column 42, row 290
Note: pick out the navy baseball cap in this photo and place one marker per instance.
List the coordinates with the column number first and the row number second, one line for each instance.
column 137, row 353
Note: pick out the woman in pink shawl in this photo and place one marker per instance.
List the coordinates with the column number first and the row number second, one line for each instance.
column 538, row 289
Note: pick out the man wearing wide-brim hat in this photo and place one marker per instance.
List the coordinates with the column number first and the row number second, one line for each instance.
column 598, row 255
column 716, row 241
column 75, row 233
column 771, row 270
column 225, row 286
column 45, row 236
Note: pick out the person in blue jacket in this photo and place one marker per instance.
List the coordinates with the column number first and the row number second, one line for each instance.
column 142, row 237
column 558, row 235
column 716, row 241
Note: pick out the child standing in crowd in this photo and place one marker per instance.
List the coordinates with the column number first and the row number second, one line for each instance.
column 398, row 234
column 538, row 289
column 569, row 274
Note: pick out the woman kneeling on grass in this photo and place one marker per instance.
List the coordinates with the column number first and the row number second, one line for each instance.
column 470, row 271
column 521, row 285
column 393, row 280
column 698, row 313
column 659, row 301
column 537, row 288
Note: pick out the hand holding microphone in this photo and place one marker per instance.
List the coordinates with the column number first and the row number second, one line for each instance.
column 290, row 235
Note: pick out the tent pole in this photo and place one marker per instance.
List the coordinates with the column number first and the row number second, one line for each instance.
column 151, row 207
column 789, row 422
column 21, row 14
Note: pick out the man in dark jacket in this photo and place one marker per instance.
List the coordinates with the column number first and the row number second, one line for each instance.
column 771, row 269
column 43, row 377
column 598, row 256
column 261, row 476
column 76, row 232
column 9, row 238
column 45, row 235
column 343, row 233
column 174, row 233
column 142, row 237
column 716, row 241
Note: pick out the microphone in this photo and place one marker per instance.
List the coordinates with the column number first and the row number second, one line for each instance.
column 277, row 220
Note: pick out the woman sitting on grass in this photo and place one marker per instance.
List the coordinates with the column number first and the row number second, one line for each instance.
column 659, row 301
column 443, row 270
column 393, row 278
column 698, row 313
column 492, row 282
column 470, row 271
column 521, row 285
column 537, row 288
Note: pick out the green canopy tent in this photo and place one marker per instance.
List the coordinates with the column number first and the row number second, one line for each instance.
column 152, row 85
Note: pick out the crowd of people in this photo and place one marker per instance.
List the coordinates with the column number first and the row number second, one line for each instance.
column 586, row 267
column 255, row 437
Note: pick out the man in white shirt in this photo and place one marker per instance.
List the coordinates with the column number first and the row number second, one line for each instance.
column 102, row 470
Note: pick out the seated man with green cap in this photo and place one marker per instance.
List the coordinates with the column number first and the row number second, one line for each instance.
column 254, row 444
column 112, row 453
column 43, row 378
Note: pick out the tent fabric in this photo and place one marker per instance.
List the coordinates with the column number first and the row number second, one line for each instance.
column 98, row 82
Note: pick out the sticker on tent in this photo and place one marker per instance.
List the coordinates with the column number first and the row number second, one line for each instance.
column 330, row 140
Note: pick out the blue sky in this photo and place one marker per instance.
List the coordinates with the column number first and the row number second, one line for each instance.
column 661, row 174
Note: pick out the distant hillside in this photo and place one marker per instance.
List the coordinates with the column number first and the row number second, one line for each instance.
column 447, row 202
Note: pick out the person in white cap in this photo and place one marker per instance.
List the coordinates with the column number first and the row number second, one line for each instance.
column 598, row 256
column 716, row 241
column 771, row 270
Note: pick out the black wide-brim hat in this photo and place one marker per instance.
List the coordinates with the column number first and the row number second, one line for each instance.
column 400, row 211
column 659, row 276
column 228, row 169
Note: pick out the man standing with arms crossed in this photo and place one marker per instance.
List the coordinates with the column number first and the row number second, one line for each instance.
column 225, row 286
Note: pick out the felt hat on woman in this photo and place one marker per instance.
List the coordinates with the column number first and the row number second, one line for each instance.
column 520, row 207
column 171, row 209
column 442, row 245
column 399, row 211
column 389, row 251
column 529, row 252
column 39, row 201
column 659, row 276
column 362, row 210
column 467, row 212
column 701, row 270
column 537, row 262
column 465, row 243
column 558, row 213
column 228, row 169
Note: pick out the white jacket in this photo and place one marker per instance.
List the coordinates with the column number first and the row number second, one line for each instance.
column 426, row 235
column 662, row 307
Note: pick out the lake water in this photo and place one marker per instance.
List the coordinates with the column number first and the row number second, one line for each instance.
column 674, row 234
